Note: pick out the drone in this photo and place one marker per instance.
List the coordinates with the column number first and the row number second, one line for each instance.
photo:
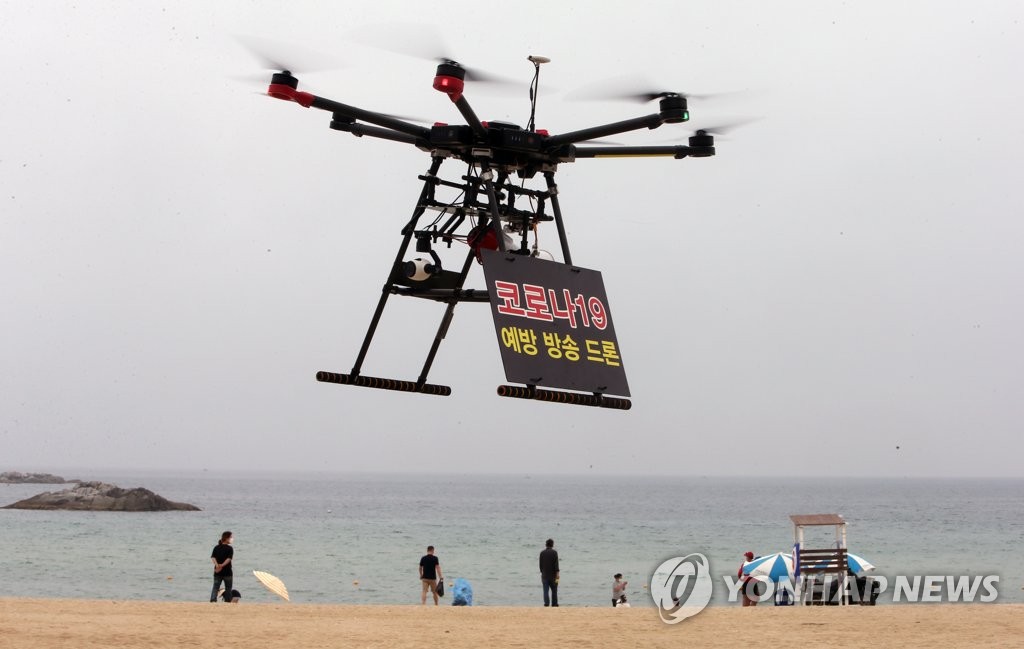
column 552, row 321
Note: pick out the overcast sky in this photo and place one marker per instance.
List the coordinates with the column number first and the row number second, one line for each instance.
column 837, row 292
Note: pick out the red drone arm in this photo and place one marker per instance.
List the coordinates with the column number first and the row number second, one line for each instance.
column 281, row 91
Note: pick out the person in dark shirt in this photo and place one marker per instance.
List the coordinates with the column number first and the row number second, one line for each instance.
column 430, row 572
column 221, row 556
column 549, row 573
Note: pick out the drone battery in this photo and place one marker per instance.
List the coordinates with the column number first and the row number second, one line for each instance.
column 518, row 139
column 446, row 134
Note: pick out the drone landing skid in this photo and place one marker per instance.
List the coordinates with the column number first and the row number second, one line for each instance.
column 560, row 396
column 384, row 384
column 512, row 391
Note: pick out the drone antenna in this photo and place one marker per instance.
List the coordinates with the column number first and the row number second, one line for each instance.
column 536, row 60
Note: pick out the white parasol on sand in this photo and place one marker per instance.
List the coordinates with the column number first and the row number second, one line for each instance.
column 272, row 583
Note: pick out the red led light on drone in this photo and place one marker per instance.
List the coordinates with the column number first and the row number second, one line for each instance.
column 451, row 86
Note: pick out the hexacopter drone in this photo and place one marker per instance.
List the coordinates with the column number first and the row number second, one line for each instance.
column 551, row 318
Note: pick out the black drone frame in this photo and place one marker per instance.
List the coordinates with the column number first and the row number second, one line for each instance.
column 496, row 150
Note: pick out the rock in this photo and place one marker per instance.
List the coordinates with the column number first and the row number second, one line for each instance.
column 17, row 477
column 100, row 496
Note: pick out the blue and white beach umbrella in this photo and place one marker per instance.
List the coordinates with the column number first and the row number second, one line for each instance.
column 858, row 564
column 855, row 563
column 777, row 567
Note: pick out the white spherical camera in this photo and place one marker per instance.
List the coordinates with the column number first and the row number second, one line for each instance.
column 419, row 269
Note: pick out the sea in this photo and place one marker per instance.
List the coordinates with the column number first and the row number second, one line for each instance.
column 357, row 539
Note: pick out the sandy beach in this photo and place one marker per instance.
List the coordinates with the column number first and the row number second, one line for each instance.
column 41, row 624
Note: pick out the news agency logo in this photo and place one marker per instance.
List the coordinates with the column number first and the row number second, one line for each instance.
column 681, row 587
column 833, row 589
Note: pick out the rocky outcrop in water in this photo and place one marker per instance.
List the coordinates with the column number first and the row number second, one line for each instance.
column 100, row 496
column 17, row 477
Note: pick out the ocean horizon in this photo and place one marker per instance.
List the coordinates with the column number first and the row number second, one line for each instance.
column 356, row 538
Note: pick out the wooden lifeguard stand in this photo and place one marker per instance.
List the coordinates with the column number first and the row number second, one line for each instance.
column 811, row 563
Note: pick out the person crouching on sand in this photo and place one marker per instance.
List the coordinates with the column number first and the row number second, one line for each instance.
column 619, row 590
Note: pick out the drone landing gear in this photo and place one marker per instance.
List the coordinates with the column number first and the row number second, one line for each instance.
column 444, row 286
column 383, row 384
column 558, row 396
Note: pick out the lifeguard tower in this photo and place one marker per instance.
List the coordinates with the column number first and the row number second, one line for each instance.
column 816, row 569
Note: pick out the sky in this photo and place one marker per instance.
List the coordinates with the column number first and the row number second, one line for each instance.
column 837, row 292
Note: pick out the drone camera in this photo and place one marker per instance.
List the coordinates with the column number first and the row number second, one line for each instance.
column 419, row 269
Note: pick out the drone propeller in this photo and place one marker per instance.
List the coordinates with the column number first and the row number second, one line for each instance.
column 285, row 57
column 650, row 95
column 717, row 130
column 629, row 88
column 730, row 126
column 477, row 76
column 422, row 42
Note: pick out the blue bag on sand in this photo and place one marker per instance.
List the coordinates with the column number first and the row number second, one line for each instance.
column 462, row 593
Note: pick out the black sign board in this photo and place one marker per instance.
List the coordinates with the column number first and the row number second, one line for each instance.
column 554, row 325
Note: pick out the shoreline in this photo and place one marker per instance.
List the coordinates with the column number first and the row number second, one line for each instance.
column 30, row 623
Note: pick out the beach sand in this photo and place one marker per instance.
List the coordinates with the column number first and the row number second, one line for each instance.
column 45, row 623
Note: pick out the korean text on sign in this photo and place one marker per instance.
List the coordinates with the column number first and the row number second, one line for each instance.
column 537, row 303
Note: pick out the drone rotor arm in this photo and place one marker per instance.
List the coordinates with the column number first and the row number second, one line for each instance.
column 470, row 116
column 647, row 122
column 379, row 119
column 676, row 152
column 359, row 130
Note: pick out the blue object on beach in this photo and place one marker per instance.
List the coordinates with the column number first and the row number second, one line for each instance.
column 776, row 567
column 462, row 593
column 856, row 563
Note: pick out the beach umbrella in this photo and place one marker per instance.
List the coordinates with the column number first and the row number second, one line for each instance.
column 272, row 583
column 858, row 564
column 776, row 567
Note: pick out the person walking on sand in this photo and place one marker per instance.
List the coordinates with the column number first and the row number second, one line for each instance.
column 618, row 590
column 747, row 590
column 221, row 556
column 430, row 572
column 549, row 573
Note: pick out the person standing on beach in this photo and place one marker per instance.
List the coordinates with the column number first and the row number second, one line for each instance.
column 749, row 583
column 221, row 556
column 430, row 572
column 549, row 573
